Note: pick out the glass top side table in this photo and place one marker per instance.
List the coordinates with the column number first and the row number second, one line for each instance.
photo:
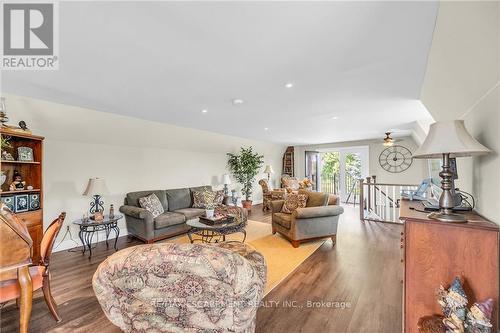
column 89, row 227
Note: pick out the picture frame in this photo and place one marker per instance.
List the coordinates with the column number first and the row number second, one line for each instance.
column 25, row 154
column 21, row 203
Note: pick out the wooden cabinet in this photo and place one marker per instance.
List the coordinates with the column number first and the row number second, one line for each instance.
column 435, row 252
column 31, row 172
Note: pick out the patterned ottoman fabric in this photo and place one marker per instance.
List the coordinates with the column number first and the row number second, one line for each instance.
column 182, row 287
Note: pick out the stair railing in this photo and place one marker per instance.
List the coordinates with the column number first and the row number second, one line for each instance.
column 380, row 201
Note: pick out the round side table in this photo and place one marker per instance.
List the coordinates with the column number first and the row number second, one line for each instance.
column 89, row 227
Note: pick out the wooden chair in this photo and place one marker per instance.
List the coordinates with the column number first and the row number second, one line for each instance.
column 39, row 275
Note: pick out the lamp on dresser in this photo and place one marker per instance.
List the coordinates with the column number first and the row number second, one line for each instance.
column 96, row 187
column 449, row 139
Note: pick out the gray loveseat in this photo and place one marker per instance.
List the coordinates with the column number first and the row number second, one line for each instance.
column 177, row 204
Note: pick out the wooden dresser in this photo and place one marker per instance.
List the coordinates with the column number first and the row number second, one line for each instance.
column 435, row 252
column 31, row 172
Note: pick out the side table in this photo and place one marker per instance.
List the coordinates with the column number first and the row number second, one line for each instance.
column 89, row 227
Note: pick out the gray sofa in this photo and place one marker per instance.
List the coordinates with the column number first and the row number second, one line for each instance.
column 319, row 219
column 177, row 204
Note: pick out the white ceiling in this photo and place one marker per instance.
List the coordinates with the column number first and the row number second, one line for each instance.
column 363, row 62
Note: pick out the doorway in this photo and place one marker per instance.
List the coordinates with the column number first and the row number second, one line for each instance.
column 338, row 170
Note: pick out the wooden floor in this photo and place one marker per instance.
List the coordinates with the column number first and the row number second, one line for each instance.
column 354, row 287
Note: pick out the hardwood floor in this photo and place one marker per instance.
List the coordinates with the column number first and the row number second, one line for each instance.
column 362, row 273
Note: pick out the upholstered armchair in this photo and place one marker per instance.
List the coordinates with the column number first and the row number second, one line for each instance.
column 171, row 287
column 291, row 184
column 317, row 220
column 269, row 195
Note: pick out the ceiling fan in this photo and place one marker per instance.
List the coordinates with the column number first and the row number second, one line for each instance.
column 388, row 140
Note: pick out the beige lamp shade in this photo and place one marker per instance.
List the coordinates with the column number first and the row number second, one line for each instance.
column 226, row 180
column 449, row 137
column 269, row 169
column 96, row 186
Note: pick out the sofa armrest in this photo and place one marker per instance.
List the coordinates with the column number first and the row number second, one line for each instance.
column 321, row 211
column 134, row 211
column 276, row 205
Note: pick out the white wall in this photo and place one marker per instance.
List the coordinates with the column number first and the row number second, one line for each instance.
column 462, row 82
column 413, row 175
column 129, row 153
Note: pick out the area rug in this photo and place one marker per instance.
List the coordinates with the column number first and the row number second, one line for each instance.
column 281, row 257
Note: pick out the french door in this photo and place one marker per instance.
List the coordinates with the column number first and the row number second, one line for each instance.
column 313, row 168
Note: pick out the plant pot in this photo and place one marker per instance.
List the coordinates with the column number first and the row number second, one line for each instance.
column 209, row 213
column 247, row 204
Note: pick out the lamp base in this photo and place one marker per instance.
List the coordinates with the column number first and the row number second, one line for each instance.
column 444, row 217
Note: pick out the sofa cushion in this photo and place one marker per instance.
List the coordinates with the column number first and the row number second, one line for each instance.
column 133, row 198
column 152, row 204
column 178, row 199
column 283, row 219
column 168, row 219
column 191, row 213
column 294, row 201
column 315, row 199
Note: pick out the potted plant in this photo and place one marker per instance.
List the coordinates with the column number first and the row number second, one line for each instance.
column 209, row 198
column 244, row 167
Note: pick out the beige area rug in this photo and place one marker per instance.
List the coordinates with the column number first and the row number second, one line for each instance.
column 281, row 257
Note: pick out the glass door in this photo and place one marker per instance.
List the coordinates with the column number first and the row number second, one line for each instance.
column 312, row 168
column 341, row 169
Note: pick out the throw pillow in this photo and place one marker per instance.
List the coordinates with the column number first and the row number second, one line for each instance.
column 152, row 204
column 294, row 201
column 198, row 199
column 219, row 197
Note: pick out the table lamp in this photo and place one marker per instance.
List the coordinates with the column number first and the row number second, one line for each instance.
column 448, row 139
column 269, row 170
column 96, row 187
column 226, row 180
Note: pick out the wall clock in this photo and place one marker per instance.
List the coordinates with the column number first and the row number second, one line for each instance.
column 395, row 159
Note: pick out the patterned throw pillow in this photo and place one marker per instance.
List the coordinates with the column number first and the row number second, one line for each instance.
column 198, row 199
column 219, row 197
column 294, row 201
column 152, row 204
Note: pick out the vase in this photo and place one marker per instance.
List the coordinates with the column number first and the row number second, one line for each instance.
column 3, row 177
column 209, row 213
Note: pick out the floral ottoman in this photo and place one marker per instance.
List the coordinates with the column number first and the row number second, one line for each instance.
column 182, row 287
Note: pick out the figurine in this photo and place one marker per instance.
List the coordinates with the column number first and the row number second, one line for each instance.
column 111, row 211
column 23, row 126
column 18, row 184
column 7, row 156
column 479, row 317
column 453, row 303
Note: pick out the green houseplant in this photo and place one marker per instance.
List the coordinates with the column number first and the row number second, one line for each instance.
column 244, row 167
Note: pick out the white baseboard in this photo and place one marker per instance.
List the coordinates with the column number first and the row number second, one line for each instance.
column 68, row 243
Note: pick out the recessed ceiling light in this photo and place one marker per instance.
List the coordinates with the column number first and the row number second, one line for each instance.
column 335, row 117
column 289, row 85
column 204, row 111
column 265, row 128
column 237, row 101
